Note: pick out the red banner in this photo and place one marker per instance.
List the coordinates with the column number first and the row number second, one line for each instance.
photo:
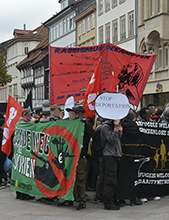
column 71, row 70
column 13, row 113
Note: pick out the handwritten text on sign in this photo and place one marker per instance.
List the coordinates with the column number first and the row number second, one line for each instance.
column 112, row 105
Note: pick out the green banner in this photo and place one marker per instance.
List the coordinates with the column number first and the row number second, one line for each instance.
column 45, row 157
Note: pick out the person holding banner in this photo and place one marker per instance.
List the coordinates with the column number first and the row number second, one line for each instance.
column 80, row 185
column 26, row 117
column 2, row 154
column 55, row 113
column 112, row 153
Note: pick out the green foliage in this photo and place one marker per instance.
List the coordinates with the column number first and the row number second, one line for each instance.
column 4, row 76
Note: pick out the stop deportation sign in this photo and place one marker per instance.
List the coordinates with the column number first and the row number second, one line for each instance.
column 113, row 106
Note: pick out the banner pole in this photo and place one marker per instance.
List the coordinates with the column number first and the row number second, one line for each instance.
column 95, row 114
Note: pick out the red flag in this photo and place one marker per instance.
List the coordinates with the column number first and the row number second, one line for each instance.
column 13, row 113
column 94, row 87
column 115, row 82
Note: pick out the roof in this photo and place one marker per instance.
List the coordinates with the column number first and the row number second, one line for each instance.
column 60, row 12
column 20, row 32
column 37, row 34
column 3, row 45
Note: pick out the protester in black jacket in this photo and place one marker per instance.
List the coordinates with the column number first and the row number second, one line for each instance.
column 126, row 183
column 112, row 153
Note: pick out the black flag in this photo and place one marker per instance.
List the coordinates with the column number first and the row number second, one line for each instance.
column 28, row 102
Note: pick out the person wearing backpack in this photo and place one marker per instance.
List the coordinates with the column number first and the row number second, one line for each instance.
column 111, row 132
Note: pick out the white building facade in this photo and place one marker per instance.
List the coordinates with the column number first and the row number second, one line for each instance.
column 16, row 52
column 62, row 28
column 117, row 23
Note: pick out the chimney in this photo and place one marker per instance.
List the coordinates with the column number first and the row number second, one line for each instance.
column 24, row 26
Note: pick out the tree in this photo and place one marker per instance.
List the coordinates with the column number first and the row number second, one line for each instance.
column 4, row 76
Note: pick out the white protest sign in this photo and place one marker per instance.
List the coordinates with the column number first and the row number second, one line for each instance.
column 68, row 104
column 113, row 106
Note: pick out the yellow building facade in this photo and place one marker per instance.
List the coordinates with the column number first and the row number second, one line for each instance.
column 153, row 37
column 86, row 27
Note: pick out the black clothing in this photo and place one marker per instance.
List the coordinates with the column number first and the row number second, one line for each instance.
column 100, row 181
column 88, row 133
column 126, row 181
column 111, row 165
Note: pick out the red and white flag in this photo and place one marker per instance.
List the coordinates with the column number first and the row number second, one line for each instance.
column 93, row 89
column 13, row 113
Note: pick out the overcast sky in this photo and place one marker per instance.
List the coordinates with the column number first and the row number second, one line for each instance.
column 15, row 13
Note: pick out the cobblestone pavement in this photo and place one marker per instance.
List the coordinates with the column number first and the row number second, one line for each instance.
column 11, row 208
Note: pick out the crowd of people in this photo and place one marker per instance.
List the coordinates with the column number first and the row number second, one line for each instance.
column 100, row 157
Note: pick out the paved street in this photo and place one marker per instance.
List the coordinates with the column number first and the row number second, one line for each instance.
column 10, row 208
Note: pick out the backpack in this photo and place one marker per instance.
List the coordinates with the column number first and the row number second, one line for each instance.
column 97, row 148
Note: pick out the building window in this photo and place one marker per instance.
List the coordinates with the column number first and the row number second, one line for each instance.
column 38, row 72
column 100, row 35
column 143, row 10
column 114, row 3
column 13, row 50
column 131, row 24
column 88, row 23
column 108, row 32
column 107, row 5
column 50, row 34
column 93, row 21
column 166, row 56
column 123, row 27
column 67, row 24
column 43, row 52
column 15, row 91
column 64, row 26
column 83, row 26
column 60, row 28
column 39, row 92
column 10, row 90
column 158, row 6
column 56, row 31
column 151, row 7
column 100, row 6
column 159, row 58
column 71, row 22
column 53, row 32
column 115, row 31
column 74, row 24
column 16, row 51
column 80, row 28
column 26, row 47
column 121, row 1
